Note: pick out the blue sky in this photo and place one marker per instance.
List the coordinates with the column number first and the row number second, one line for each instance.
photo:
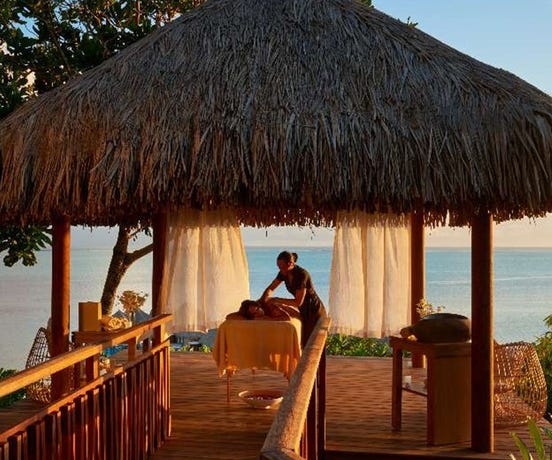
column 512, row 35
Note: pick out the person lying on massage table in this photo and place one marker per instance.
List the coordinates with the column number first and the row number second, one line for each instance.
column 255, row 310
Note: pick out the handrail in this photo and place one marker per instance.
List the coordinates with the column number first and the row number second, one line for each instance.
column 70, row 358
column 57, row 405
column 283, row 439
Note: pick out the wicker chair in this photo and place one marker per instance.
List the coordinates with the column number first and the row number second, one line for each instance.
column 40, row 352
column 520, row 388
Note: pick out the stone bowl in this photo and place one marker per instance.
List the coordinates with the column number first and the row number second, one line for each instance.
column 262, row 399
column 440, row 328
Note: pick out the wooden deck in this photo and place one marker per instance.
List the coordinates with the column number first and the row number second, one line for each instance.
column 204, row 426
column 358, row 414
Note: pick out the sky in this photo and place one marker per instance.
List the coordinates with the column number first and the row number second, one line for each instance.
column 513, row 35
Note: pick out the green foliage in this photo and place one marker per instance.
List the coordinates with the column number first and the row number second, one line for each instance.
column 189, row 348
column 539, row 445
column 8, row 400
column 21, row 243
column 411, row 23
column 346, row 345
column 543, row 345
column 58, row 39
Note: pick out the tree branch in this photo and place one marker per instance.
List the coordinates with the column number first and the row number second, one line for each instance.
column 135, row 255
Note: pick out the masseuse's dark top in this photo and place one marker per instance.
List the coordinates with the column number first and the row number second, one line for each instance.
column 312, row 307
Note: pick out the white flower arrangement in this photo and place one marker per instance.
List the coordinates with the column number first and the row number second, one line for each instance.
column 132, row 301
column 424, row 308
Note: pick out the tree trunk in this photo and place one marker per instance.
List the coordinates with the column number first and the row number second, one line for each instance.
column 116, row 270
column 120, row 261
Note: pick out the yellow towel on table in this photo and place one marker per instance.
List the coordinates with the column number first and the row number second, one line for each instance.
column 258, row 344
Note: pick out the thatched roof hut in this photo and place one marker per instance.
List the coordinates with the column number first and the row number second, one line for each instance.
column 287, row 110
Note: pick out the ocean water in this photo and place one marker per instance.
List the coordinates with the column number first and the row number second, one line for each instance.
column 522, row 295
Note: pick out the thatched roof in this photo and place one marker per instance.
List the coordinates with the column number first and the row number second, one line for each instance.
column 287, row 110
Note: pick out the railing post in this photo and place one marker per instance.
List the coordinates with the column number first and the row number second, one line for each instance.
column 321, row 380
column 92, row 368
column 131, row 347
column 311, row 444
column 314, row 437
column 159, row 334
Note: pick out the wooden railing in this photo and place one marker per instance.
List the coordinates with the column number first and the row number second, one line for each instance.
column 299, row 428
column 122, row 414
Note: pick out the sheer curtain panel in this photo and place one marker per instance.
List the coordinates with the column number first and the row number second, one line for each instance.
column 207, row 271
column 369, row 292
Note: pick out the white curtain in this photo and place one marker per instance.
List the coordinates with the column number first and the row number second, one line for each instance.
column 207, row 275
column 369, row 293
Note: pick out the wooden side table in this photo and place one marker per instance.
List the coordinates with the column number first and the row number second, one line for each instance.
column 448, row 388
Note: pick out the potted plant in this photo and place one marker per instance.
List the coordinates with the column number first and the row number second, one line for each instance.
column 435, row 326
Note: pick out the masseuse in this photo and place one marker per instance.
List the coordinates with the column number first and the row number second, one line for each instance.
column 299, row 284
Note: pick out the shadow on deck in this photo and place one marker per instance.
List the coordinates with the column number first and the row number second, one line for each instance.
column 358, row 417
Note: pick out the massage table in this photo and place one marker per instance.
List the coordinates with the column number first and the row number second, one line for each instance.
column 257, row 344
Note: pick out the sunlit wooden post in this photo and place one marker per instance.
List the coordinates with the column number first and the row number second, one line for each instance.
column 159, row 300
column 482, row 357
column 61, row 264
column 158, row 297
column 417, row 271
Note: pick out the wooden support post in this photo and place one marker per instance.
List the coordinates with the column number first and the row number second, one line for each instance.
column 417, row 272
column 482, row 357
column 160, row 227
column 61, row 263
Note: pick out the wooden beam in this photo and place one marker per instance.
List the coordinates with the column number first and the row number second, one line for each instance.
column 61, row 265
column 417, row 272
column 482, row 360
column 159, row 297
